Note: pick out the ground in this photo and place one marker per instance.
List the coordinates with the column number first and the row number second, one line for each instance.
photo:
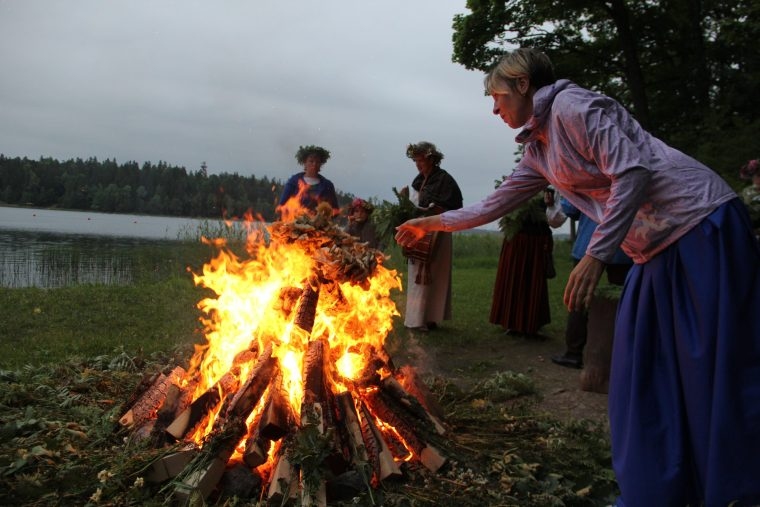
column 558, row 387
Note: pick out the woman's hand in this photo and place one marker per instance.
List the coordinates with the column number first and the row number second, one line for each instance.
column 415, row 229
column 582, row 283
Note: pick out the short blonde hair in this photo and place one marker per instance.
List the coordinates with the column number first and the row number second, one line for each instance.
column 528, row 62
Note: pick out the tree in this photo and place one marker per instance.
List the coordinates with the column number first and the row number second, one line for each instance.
column 687, row 69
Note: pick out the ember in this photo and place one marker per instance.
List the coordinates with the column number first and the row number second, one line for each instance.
column 293, row 383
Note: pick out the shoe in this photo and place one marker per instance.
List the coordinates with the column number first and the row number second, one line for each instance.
column 568, row 361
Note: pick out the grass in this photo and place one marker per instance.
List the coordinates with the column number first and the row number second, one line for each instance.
column 71, row 357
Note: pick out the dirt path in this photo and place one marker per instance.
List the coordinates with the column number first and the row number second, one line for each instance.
column 559, row 387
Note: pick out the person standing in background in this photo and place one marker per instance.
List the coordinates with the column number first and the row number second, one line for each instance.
column 751, row 194
column 428, row 294
column 310, row 186
column 520, row 301
column 557, row 212
column 359, row 223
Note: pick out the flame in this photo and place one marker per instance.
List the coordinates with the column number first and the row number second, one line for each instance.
column 254, row 306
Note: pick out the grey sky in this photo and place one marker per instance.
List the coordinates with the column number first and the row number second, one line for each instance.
column 241, row 84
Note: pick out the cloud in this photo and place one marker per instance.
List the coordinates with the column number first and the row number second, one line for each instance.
column 241, row 84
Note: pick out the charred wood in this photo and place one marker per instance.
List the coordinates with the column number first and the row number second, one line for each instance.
column 377, row 448
column 146, row 406
column 306, row 308
column 427, row 454
column 197, row 411
column 412, row 405
column 411, row 381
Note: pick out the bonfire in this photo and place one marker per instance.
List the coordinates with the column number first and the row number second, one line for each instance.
column 292, row 391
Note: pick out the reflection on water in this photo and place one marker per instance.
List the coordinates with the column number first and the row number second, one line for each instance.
column 54, row 248
column 42, row 259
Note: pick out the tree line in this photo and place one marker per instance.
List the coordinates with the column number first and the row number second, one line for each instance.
column 151, row 189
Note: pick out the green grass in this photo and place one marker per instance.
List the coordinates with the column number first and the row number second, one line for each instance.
column 50, row 325
column 68, row 367
column 158, row 312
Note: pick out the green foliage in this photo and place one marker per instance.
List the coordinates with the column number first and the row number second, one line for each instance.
column 687, row 70
column 530, row 212
column 387, row 216
column 304, row 151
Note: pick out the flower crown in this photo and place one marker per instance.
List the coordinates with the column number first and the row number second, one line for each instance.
column 361, row 203
column 304, row 151
column 428, row 150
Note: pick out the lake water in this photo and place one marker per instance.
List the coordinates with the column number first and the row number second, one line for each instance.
column 52, row 248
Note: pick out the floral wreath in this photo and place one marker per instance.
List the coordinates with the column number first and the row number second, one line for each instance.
column 304, row 151
column 424, row 148
column 361, row 203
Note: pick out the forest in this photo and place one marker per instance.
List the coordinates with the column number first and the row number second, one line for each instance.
column 151, row 189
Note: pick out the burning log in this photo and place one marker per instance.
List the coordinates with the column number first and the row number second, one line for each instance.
column 359, row 454
column 206, row 470
column 287, row 299
column 370, row 375
column 249, row 395
column 148, row 403
column 307, row 305
column 313, row 414
column 392, row 386
column 200, row 408
column 383, row 462
column 428, row 455
column 277, row 419
column 411, row 381
column 273, row 423
column 282, row 483
column 165, row 415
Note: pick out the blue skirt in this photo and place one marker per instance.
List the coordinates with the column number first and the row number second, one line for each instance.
column 684, row 399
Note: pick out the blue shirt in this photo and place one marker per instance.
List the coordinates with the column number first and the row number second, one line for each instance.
column 586, row 228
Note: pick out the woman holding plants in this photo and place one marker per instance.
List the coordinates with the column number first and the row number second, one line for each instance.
column 520, row 302
column 684, row 399
column 428, row 293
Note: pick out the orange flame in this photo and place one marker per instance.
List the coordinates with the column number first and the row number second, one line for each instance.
column 254, row 306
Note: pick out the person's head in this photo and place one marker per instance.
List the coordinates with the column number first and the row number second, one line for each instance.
column 312, row 158
column 513, row 81
column 425, row 156
column 360, row 210
column 751, row 171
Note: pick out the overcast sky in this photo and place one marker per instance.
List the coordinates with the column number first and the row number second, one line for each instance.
column 240, row 84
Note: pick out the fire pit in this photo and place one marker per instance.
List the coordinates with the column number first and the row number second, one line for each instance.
column 292, row 396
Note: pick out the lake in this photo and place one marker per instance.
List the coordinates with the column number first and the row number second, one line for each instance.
column 56, row 248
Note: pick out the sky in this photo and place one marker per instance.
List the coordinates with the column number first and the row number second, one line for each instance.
column 241, row 84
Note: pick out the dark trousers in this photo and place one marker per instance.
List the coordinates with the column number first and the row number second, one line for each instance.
column 575, row 332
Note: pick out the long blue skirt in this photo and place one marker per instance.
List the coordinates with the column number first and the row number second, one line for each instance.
column 684, row 399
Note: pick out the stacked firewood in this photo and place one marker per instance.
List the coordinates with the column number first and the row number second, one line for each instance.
column 340, row 256
column 344, row 442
